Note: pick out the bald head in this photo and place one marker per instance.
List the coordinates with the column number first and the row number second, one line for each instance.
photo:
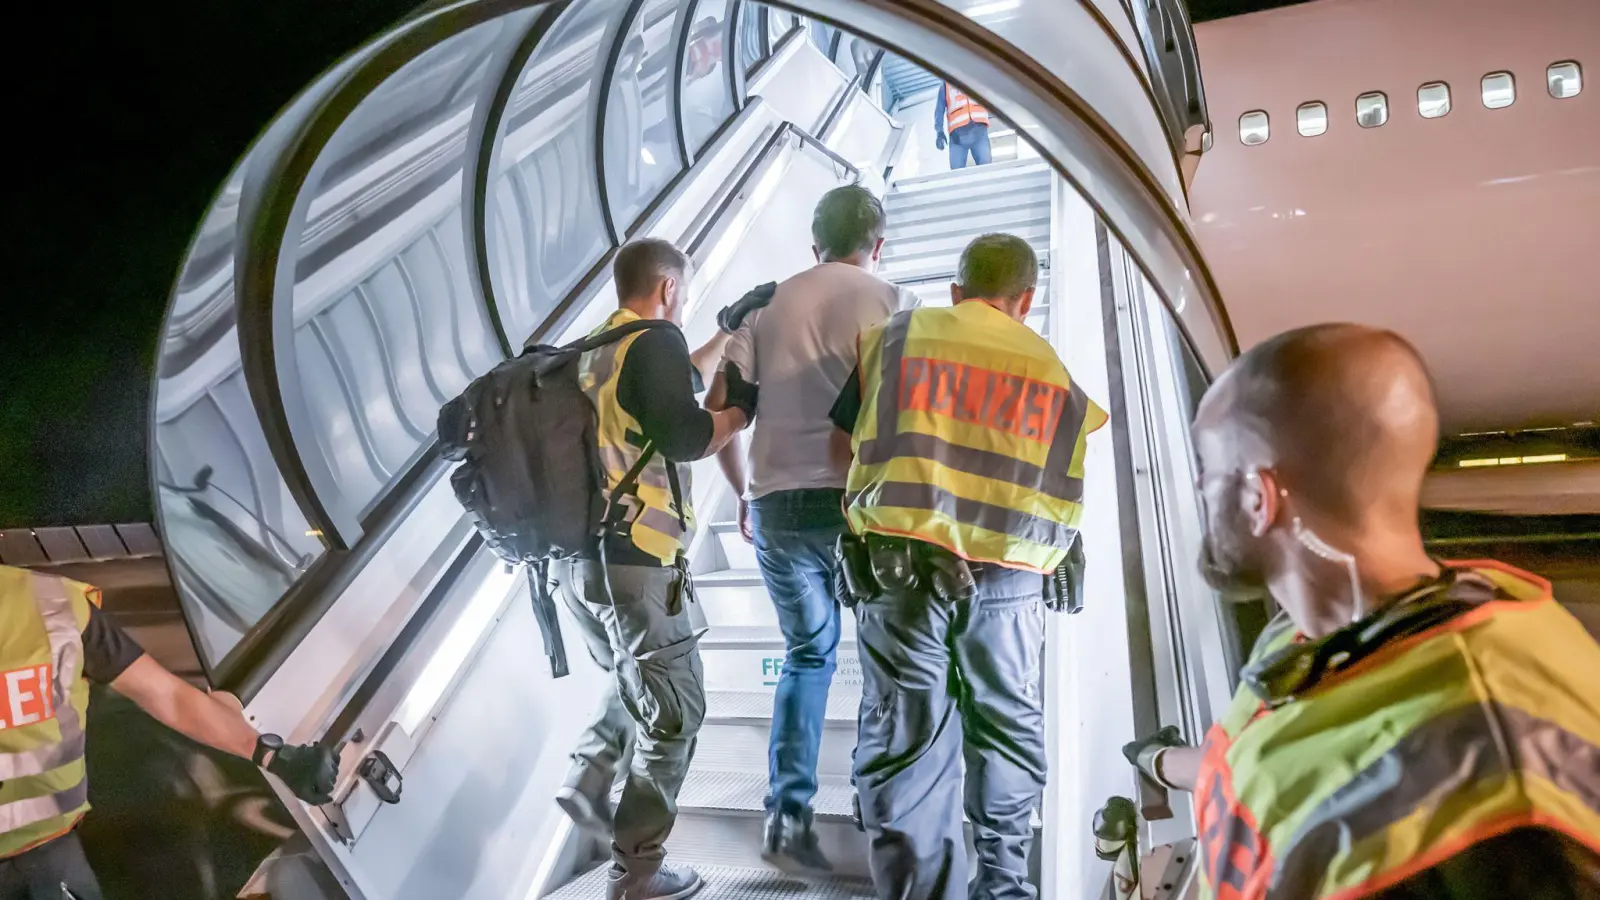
column 1345, row 414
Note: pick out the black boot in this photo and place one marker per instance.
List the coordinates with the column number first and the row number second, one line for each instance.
column 790, row 844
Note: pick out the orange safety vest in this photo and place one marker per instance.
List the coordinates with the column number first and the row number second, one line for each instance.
column 961, row 110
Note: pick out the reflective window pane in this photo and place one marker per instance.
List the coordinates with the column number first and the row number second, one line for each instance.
column 235, row 538
column 1372, row 110
column 545, row 228
column 779, row 23
column 1499, row 90
column 1565, row 79
column 1254, row 128
column 641, row 140
column 387, row 327
column 1433, row 99
column 750, row 35
column 1311, row 119
column 822, row 34
column 707, row 95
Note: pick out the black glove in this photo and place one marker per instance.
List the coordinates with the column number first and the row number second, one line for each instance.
column 732, row 317
column 941, row 142
column 1115, row 825
column 1142, row 752
column 741, row 394
column 309, row 770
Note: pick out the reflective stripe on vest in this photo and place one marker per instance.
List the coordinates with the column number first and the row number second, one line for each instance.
column 971, row 437
column 43, row 781
column 961, row 110
column 655, row 528
column 1438, row 741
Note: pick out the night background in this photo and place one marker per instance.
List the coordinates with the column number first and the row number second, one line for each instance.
column 128, row 119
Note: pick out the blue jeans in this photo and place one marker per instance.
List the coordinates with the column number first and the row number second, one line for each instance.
column 795, row 533
column 970, row 140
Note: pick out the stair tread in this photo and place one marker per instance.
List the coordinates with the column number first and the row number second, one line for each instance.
column 745, row 793
column 935, row 180
column 757, row 634
column 739, row 705
column 731, row 883
column 729, row 577
column 721, row 790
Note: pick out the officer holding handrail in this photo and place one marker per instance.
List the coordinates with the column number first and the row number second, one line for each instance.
column 963, row 498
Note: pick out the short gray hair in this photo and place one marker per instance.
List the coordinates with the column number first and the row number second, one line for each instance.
column 998, row 267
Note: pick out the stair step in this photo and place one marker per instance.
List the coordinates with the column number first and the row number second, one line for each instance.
column 965, row 197
column 731, row 883
column 755, row 707
column 1006, row 212
column 740, row 553
column 746, row 658
column 737, row 734
column 972, row 175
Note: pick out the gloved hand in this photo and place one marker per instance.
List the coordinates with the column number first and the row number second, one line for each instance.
column 742, row 394
column 732, row 317
column 1115, row 825
column 309, row 770
column 941, row 142
column 1142, row 752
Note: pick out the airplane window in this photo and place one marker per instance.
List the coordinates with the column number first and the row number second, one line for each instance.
column 1499, row 90
column 1372, row 110
column 1312, row 119
column 1253, row 128
column 1433, row 99
column 1566, row 79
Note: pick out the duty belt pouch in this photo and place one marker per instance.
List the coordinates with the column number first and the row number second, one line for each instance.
column 1063, row 588
column 893, row 569
column 947, row 575
column 856, row 584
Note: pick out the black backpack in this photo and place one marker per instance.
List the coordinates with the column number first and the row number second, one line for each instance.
column 530, row 477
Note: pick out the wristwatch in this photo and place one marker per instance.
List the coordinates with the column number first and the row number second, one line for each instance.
column 266, row 744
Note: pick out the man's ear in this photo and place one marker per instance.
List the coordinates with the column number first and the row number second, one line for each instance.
column 877, row 251
column 817, row 252
column 956, row 296
column 1025, row 303
column 1262, row 500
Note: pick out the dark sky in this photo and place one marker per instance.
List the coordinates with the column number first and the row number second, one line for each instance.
column 122, row 131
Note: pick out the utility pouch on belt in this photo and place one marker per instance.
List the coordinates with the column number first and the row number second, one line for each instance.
column 893, row 570
column 1063, row 588
column 947, row 574
column 855, row 570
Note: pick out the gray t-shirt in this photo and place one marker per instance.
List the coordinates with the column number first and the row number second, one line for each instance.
column 801, row 349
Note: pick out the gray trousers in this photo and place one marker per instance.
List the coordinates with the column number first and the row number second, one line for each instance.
column 943, row 684
column 637, row 627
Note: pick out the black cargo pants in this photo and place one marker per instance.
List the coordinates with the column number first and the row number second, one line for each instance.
column 943, row 685
column 637, row 624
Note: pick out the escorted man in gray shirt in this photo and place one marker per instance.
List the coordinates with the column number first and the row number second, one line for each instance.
column 799, row 351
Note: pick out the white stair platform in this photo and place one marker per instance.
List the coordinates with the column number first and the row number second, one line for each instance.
column 731, row 883
column 756, row 707
column 750, row 658
column 740, row 553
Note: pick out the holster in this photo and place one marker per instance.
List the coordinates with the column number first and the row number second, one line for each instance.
column 855, row 571
column 875, row 565
column 1063, row 588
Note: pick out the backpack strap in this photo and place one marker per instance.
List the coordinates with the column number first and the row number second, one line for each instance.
column 630, row 484
column 612, row 335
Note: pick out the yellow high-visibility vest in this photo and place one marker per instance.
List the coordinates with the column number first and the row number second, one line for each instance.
column 1441, row 739
column 653, row 524
column 971, row 437
column 44, row 702
column 961, row 110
